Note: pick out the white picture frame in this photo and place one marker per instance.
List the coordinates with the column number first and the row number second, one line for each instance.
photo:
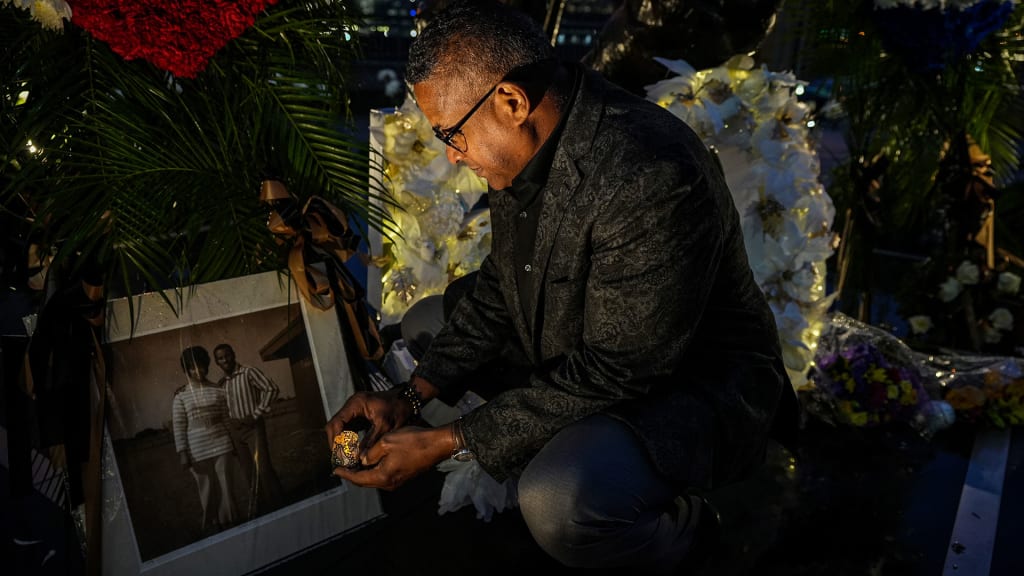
column 247, row 309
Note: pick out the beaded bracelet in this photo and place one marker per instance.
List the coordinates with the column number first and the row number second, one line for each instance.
column 410, row 393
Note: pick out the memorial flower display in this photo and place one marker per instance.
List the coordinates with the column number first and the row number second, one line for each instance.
column 140, row 134
column 50, row 14
column 752, row 118
column 179, row 36
column 437, row 236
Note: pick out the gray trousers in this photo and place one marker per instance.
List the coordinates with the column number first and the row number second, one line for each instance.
column 590, row 497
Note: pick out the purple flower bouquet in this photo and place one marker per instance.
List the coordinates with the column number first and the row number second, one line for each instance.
column 867, row 389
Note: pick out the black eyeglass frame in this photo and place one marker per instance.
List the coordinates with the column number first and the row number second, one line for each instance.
column 448, row 135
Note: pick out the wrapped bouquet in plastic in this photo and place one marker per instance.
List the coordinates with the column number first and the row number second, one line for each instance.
column 865, row 376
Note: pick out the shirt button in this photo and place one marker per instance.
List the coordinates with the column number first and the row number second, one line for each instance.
column 527, row 268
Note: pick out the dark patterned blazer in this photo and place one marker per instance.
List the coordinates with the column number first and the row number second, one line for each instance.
column 646, row 305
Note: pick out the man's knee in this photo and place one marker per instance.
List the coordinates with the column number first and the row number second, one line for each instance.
column 550, row 512
column 564, row 514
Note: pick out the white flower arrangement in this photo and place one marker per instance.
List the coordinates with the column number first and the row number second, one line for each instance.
column 51, row 14
column 1001, row 319
column 920, row 324
column 753, row 119
column 1008, row 283
column 950, row 289
column 968, row 273
column 437, row 238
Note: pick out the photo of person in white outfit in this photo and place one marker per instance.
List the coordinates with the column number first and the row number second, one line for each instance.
column 203, row 440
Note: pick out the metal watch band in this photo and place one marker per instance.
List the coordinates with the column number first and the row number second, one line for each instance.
column 460, row 453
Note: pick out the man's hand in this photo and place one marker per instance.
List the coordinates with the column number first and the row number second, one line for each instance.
column 384, row 411
column 186, row 461
column 398, row 456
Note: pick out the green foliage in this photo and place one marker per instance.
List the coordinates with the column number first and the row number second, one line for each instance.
column 156, row 177
column 910, row 115
column 906, row 175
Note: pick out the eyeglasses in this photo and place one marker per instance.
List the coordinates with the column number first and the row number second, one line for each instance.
column 543, row 69
column 453, row 136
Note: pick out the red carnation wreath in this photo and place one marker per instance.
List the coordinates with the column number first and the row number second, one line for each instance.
column 179, row 36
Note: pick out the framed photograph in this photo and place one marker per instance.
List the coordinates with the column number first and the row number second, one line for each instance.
column 216, row 460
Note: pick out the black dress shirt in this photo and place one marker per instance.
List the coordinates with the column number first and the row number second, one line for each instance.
column 526, row 188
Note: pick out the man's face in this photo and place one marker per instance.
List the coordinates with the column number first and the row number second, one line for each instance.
column 491, row 148
column 226, row 360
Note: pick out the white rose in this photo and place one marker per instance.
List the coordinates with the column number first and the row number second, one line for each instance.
column 949, row 289
column 968, row 273
column 920, row 324
column 1001, row 319
column 1008, row 283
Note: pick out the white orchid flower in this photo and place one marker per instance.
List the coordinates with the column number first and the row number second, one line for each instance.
column 762, row 266
column 670, row 90
column 950, row 289
column 816, row 249
column 681, row 68
column 444, row 217
column 818, row 210
column 968, row 273
column 920, row 324
column 1001, row 319
column 800, row 284
column 1008, row 283
column 789, row 317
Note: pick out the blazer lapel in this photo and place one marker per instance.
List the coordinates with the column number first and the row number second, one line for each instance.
column 564, row 183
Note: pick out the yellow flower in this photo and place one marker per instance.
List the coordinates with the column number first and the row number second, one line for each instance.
column 891, row 392
column 909, row 397
column 859, row 418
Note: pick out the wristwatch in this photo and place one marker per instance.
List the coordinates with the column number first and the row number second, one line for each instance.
column 460, row 453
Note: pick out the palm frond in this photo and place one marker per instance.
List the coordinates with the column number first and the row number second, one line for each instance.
column 158, row 177
column 911, row 115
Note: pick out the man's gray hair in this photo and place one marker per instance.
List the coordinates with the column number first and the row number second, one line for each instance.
column 481, row 39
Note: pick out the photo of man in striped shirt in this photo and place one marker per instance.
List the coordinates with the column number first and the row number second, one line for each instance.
column 250, row 394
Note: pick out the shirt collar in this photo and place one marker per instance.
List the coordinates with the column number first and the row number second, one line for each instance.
column 534, row 175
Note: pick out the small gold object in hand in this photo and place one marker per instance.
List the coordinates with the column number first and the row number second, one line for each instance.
column 345, row 452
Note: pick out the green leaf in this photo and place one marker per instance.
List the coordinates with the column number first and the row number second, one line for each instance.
column 158, row 177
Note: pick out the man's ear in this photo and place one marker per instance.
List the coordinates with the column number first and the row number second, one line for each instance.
column 512, row 102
